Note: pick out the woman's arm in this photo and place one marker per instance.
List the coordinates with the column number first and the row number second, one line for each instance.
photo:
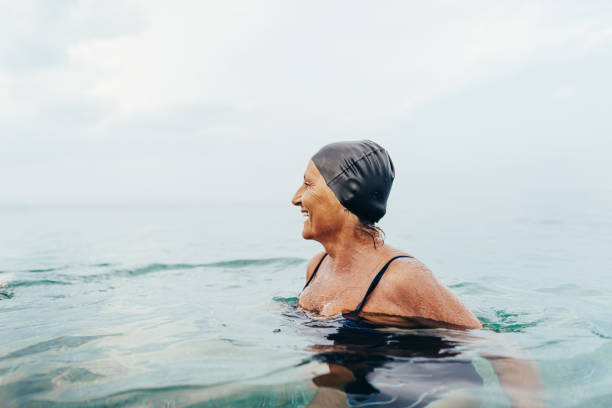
column 518, row 374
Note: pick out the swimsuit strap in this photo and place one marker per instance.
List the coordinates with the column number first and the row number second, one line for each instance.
column 375, row 282
column 315, row 270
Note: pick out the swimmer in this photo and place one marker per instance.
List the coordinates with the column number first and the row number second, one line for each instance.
column 343, row 195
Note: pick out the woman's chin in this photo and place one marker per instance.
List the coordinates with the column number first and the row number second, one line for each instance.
column 306, row 233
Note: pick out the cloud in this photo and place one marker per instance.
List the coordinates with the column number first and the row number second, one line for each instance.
column 354, row 58
column 150, row 100
column 38, row 34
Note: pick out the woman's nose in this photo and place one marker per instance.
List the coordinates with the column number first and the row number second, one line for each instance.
column 297, row 197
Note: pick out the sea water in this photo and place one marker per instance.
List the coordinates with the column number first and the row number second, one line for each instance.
column 185, row 306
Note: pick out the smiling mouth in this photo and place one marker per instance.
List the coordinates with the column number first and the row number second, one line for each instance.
column 305, row 214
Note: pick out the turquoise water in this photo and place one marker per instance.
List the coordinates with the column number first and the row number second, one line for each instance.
column 194, row 306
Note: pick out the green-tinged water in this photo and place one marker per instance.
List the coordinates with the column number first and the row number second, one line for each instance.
column 195, row 307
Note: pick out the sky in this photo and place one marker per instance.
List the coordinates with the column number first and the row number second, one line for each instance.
column 196, row 102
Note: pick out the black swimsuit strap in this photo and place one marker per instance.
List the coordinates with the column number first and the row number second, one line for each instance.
column 315, row 271
column 375, row 282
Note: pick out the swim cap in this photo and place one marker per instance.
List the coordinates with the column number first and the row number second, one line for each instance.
column 360, row 174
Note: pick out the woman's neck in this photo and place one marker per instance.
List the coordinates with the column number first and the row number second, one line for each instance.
column 350, row 253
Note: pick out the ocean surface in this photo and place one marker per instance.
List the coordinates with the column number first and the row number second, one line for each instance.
column 194, row 306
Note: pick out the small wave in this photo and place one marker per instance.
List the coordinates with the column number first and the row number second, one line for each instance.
column 284, row 299
column 63, row 342
column 6, row 283
column 14, row 393
column 39, row 282
column 161, row 267
column 235, row 263
column 198, row 394
column 241, row 263
column 41, row 270
column 238, row 343
column 6, row 295
column 143, row 270
column 601, row 329
column 152, row 268
column 570, row 289
column 473, row 288
column 78, row 374
column 505, row 322
column 139, row 397
column 69, row 279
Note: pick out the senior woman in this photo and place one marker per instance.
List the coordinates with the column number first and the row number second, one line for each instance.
column 345, row 191
column 344, row 194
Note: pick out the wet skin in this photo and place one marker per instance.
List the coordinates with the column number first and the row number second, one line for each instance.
column 407, row 289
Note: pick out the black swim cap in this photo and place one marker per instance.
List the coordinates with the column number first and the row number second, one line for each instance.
column 360, row 174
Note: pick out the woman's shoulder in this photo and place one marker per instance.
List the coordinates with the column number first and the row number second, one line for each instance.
column 402, row 261
column 407, row 273
column 413, row 282
column 312, row 264
column 412, row 289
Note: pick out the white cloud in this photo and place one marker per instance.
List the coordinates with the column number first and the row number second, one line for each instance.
column 150, row 99
column 355, row 58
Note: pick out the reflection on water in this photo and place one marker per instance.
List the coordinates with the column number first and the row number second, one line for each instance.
column 362, row 364
column 393, row 369
column 385, row 366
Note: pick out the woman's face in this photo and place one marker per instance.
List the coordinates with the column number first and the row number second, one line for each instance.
column 324, row 214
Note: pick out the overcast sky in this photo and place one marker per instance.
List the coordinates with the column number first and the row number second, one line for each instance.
column 159, row 102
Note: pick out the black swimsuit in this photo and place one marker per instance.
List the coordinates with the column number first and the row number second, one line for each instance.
column 373, row 285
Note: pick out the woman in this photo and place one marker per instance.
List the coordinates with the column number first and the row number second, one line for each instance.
column 345, row 191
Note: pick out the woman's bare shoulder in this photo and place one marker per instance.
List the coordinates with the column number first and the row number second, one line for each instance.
column 312, row 264
column 408, row 277
column 412, row 289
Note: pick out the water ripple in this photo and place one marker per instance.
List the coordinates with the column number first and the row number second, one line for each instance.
column 601, row 329
column 506, row 322
column 570, row 289
column 473, row 288
column 161, row 267
column 39, row 282
column 193, row 394
column 41, row 270
column 59, row 343
column 6, row 295
column 69, row 279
